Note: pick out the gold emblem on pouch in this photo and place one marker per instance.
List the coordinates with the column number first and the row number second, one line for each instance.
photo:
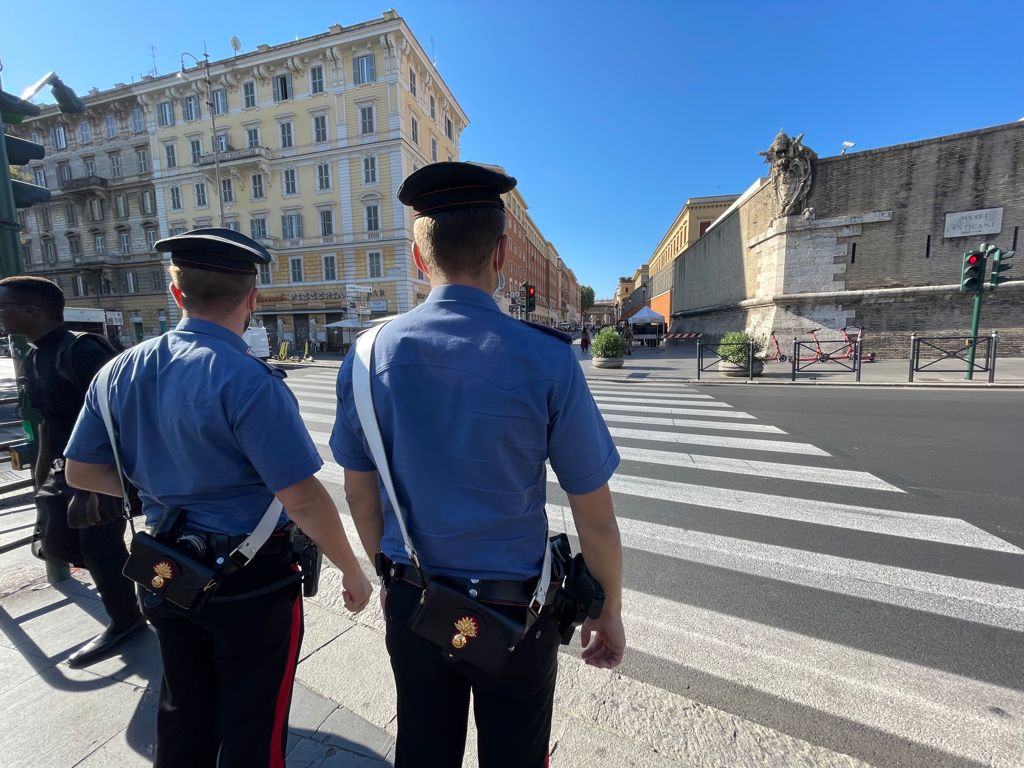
column 466, row 628
column 163, row 572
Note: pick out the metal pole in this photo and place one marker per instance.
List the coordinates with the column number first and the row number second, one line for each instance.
column 856, row 359
column 750, row 361
column 700, row 358
column 793, row 359
column 974, row 332
column 992, row 357
column 913, row 355
column 216, row 142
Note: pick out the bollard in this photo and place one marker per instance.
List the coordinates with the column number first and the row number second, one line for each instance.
column 57, row 571
column 700, row 358
column 750, row 361
column 857, row 360
column 913, row 352
column 992, row 357
column 793, row 359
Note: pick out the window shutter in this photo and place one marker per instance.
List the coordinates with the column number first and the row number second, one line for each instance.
column 298, row 225
column 284, row 228
column 372, row 74
column 277, row 90
column 288, row 80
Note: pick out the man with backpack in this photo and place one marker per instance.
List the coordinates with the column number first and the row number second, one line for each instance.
column 79, row 527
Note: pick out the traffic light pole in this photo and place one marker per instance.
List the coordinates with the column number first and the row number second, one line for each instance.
column 975, row 318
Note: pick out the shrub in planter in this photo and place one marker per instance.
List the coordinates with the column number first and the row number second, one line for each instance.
column 733, row 347
column 608, row 343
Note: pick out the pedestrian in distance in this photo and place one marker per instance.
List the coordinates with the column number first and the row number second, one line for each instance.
column 627, row 334
column 78, row 527
column 469, row 404
column 585, row 341
column 190, row 411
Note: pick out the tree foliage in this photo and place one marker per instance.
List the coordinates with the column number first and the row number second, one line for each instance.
column 586, row 298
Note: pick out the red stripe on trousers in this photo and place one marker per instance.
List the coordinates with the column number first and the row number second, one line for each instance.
column 284, row 693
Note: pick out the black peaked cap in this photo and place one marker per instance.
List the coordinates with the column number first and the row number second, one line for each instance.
column 215, row 249
column 448, row 186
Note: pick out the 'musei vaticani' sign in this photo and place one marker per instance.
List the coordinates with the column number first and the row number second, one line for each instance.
column 987, row 221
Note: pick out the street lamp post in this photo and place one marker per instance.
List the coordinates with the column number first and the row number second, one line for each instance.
column 213, row 120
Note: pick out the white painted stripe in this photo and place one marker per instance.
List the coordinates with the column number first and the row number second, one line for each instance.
column 654, row 401
column 642, row 401
column 719, row 412
column 798, row 472
column 689, row 394
column 637, row 385
column 742, row 443
column 324, row 388
column 320, row 418
column 909, row 525
column 926, row 706
column 694, row 423
column 957, row 598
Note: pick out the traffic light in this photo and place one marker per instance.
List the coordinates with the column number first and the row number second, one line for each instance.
column 13, row 193
column 1000, row 266
column 973, row 272
column 531, row 297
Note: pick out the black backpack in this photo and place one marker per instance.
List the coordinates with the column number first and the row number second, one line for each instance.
column 65, row 369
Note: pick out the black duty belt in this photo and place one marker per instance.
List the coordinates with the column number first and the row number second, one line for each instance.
column 222, row 544
column 499, row 592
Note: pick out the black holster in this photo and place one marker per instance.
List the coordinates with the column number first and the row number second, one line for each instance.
column 582, row 594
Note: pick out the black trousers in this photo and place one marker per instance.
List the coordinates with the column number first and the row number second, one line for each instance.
column 228, row 672
column 100, row 549
column 512, row 712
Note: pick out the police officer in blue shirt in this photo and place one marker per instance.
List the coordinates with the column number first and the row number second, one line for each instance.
column 471, row 404
column 207, row 428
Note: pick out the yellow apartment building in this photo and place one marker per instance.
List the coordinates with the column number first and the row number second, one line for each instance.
column 303, row 146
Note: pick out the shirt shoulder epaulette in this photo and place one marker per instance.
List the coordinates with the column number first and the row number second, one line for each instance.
column 273, row 370
column 563, row 337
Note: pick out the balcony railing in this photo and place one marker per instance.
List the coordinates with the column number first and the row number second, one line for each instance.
column 235, row 155
column 84, row 184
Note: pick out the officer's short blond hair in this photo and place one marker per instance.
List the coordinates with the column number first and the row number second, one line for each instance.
column 213, row 293
column 458, row 243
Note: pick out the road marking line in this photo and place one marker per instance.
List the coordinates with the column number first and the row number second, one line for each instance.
column 698, row 423
column 741, row 443
column 618, row 404
column 655, row 401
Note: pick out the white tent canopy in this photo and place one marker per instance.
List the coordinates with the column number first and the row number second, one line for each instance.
column 345, row 324
column 646, row 315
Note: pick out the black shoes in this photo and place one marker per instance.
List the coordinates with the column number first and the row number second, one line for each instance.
column 103, row 644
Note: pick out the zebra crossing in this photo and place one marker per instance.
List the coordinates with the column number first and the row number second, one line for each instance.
column 767, row 578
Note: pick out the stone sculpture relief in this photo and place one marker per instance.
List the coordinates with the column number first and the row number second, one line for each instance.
column 790, row 163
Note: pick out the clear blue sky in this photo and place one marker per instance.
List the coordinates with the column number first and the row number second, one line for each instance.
column 609, row 114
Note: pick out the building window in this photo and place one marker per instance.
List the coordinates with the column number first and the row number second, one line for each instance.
column 147, row 202
column 249, row 94
column 449, row 131
column 131, row 282
column 252, row 137
column 372, row 218
column 142, row 159
column 84, row 132
column 220, row 142
column 96, row 209
column 150, row 238
column 90, row 165
column 111, row 125
column 369, row 170
column 373, row 265
column 75, row 246
column 286, row 135
column 177, row 229
column 165, row 113
column 433, row 149
column 26, row 254
column 363, row 70
column 257, row 186
column 125, row 241
column 291, row 226
column 326, row 222
column 60, row 139
column 195, row 148
column 290, row 187
column 330, row 267
column 316, row 79
column 115, row 165
column 175, row 199
column 200, row 189
column 227, row 191
column 99, row 242
column 264, row 274
column 138, row 125
column 71, row 214
column 40, row 176
column 282, row 87
column 121, row 206
column 366, row 119
column 190, row 108
column 172, row 155
column 415, row 128
column 50, row 251
column 64, row 172
column 78, row 286
column 220, row 101
column 412, row 82
column 433, row 112
column 323, row 176
column 703, row 227
column 258, row 228
column 320, row 128
column 296, row 268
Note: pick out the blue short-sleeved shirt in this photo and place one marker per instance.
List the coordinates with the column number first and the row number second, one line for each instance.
column 202, row 425
column 471, row 403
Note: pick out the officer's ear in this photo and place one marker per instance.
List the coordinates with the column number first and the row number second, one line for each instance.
column 179, row 297
column 500, row 253
column 250, row 300
column 418, row 258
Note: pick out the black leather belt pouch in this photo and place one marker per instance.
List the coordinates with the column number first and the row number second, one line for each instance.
column 464, row 629
column 168, row 573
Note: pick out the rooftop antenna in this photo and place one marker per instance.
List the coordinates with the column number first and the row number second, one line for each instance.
column 433, row 57
column 152, row 52
column 236, row 45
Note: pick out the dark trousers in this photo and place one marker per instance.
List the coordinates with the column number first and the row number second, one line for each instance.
column 512, row 712
column 228, row 673
column 100, row 549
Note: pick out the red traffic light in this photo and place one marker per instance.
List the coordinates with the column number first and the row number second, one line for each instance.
column 973, row 259
column 531, row 290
